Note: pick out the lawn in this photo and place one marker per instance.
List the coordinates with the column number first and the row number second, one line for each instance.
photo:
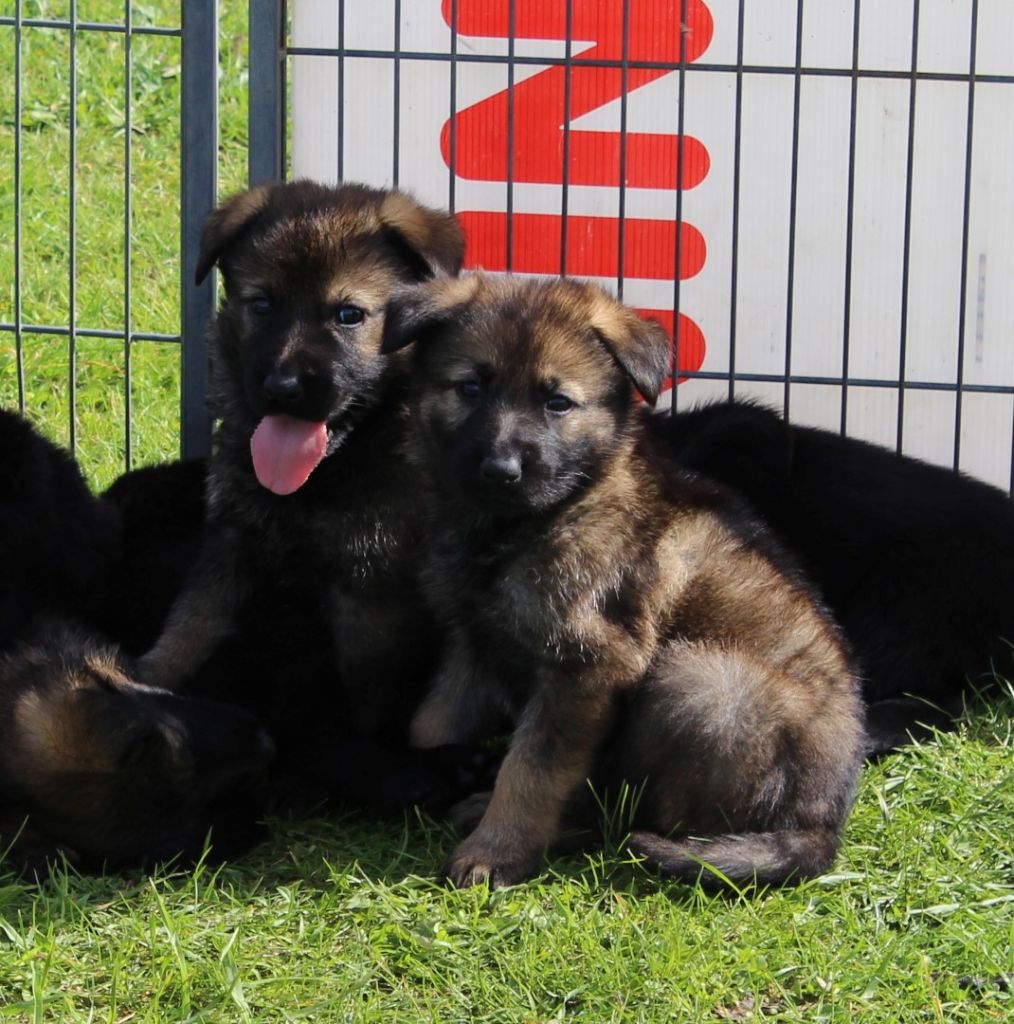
column 92, row 413
column 340, row 919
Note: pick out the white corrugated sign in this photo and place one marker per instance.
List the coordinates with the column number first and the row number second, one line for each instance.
column 848, row 195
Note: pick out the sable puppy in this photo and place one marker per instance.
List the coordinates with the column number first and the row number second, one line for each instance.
column 305, row 575
column 632, row 621
column 915, row 561
column 113, row 774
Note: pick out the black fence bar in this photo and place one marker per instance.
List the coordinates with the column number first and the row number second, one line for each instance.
column 511, row 60
column 966, row 203
column 651, row 65
column 86, row 26
column 341, row 90
column 396, row 114
column 850, row 206
column 854, row 382
column 452, row 130
column 72, row 237
column 568, row 75
column 19, row 355
column 128, row 95
column 790, row 277
column 199, row 186
column 737, row 159
column 58, row 330
column 266, row 111
column 681, row 67
column 906, row 251
column 621, row 218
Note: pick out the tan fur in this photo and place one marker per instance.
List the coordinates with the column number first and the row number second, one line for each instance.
column 99, row 769
column 625, row 581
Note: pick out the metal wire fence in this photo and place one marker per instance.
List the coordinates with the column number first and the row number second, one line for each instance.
column 813, row 196
column 86, row 85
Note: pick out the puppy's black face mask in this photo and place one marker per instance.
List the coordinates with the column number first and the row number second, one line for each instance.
column 512, row 441
column 308, row 271
column 522, row 390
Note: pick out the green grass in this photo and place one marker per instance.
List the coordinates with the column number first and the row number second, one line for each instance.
column 85, row 399
column 340, row 921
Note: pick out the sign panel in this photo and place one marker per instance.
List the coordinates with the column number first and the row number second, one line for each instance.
column 820, row 212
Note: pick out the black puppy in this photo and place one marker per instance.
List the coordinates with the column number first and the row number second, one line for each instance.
column 161, row 512
column 57, row 541
column 916, row 561
column 301, row 604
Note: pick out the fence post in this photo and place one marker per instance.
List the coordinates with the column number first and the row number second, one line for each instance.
column 266, row 111
column 199, row 185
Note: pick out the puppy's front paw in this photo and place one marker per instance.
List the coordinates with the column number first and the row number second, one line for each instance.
column 477, row 860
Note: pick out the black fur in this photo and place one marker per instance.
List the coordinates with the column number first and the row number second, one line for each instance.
column 161, row 511
column 57, row 541
column 301, row 604
column 915, row 561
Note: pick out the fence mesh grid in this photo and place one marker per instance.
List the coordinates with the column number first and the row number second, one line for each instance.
column 91, row 280
column 85, row 172
column 99, row 150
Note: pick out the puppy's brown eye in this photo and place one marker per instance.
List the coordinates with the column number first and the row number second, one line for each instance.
column 260, row 305
column 559, row 404
column 349, row 316
column 468, row 389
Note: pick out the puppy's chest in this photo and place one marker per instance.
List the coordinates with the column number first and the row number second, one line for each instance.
column 356, row 530
column 541, row 599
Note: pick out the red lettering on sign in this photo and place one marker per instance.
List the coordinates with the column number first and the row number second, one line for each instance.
column 690, row 348
column 649, row 246
column 653, row 34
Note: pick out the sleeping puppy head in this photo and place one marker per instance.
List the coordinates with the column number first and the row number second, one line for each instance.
column 112, row 773
column 523, row 389
column 308, row 269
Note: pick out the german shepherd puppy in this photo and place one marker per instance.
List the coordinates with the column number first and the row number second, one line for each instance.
column 109, row 773
column 633, row 622
column 307, row 563
column 162, row 511
column 57, row 541
column 915, row 561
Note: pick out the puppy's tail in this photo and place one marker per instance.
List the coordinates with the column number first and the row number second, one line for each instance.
column 768, row 858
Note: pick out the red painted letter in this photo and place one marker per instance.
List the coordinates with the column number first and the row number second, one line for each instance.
column 653, row 35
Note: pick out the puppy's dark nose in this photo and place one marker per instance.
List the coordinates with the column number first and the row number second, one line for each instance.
column 501, row 469
column 284, row 388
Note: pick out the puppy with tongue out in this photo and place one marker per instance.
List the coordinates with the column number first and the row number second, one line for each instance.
column 312, row 524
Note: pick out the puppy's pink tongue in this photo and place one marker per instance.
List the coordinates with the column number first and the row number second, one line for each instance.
column 286, row 451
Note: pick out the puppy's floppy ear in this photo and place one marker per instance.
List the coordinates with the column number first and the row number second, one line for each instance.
column 434, row 237
column 416, row 313
column 223, row 226
column 639, row 346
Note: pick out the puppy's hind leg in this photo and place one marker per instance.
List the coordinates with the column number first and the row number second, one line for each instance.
column 757, row 764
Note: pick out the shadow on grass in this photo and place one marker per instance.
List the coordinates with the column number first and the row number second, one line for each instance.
column 316, row 854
